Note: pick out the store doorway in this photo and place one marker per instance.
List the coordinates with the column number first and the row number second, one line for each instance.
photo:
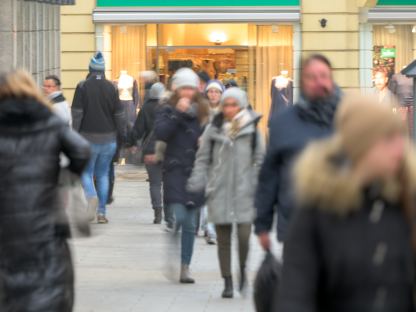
column 223, row 63
column 252, row 55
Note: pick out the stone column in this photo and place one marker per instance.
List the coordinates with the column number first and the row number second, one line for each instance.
column 339, row 40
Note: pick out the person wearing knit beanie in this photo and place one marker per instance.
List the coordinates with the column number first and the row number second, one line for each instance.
column 185, row 78
column 236, row 93
column 355, row 217
column 213, row 92
column 97, row 63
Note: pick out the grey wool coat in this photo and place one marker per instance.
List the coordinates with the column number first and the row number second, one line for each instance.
column 227, row 170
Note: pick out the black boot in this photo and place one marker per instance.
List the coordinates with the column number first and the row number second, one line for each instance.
column 228, row 288
column 110, row 198
column 158, row 216
column 243, row 279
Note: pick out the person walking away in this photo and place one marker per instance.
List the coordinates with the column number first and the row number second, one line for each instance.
column 36, row 271
column 99, row 116
column 52, row 89
column 180, row 124
column 290, row 132
column 351, row 188
column 226, row 167
column 144, row 130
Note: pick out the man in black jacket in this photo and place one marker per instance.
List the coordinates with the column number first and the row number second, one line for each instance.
column 99, row 116
column 290, row 132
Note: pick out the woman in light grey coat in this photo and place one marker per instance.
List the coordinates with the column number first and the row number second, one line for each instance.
column 227, row 164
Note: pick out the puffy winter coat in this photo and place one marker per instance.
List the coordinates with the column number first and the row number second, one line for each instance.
column 181, row 133
column 36, row 271
column 227, row 170
column 348, row 248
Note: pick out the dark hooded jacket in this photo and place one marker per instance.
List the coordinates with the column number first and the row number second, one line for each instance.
column 181, row 133
column 36, row 271
column 290, row 132
column 348, row 247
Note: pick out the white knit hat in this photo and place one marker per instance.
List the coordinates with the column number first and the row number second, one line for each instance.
column 215, row 84
column 185, row 77
column 236, row 93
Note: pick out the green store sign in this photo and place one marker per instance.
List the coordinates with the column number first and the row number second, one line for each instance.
column 396, row 2
column 141, row 3
column 388, row 53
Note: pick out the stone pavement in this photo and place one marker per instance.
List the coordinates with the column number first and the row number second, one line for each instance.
column 123, row 266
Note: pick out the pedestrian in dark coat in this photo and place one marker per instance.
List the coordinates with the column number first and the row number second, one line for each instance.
column 36, row 272
column 290, row 132
column 99, row 116
column 144, row 130
column 180, row 124
column 351, row 245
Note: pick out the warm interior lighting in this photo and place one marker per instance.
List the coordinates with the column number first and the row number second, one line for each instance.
column 218, row 37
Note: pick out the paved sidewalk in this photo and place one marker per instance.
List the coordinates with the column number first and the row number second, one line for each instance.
column 122, row 267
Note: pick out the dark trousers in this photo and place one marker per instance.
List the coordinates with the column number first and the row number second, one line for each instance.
column 155, row 184
column 224, row 239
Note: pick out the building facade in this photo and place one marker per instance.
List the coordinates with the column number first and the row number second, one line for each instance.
column 251, row 42
column 30, row 36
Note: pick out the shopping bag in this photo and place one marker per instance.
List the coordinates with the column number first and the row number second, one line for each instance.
column 74, row 206
column 266, row 284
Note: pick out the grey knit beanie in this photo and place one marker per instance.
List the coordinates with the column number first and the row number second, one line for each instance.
column 156, row 91
column 185, row 77
column 236, row 93
column 97, row 63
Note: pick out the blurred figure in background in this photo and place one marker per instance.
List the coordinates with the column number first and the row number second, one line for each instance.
column 290, row 132
column 99, row 116
column 213, row 92
column 144, row 130
column 227, row 166
column 381, row 82
column 147, row 79
column 204, row 78
column 352, row 243
column 36, row 272
column 52, row 89
column 179, row 124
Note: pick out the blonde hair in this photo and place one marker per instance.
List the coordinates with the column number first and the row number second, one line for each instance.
column 20, row 84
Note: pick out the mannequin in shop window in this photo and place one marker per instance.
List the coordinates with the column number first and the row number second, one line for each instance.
column 129, row 96
column 281, row 93
column 381, row 81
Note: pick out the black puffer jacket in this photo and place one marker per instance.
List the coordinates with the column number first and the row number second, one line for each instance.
column 36, row 271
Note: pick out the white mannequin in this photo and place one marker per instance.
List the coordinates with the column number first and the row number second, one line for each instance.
column 282, row 80
column 125, row 86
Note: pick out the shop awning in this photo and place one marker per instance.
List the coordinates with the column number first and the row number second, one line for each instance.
column 392, row 14
column 61, row 2
column 196, row 14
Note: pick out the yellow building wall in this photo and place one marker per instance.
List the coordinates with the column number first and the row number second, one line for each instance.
column 339, row 40
column 77, row 44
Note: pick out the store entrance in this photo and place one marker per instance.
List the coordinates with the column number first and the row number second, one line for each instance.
column 251, row 55
column 227, row 64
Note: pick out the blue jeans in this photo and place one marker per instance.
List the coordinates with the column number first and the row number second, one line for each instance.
column 99, row 167
column 185, row 219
